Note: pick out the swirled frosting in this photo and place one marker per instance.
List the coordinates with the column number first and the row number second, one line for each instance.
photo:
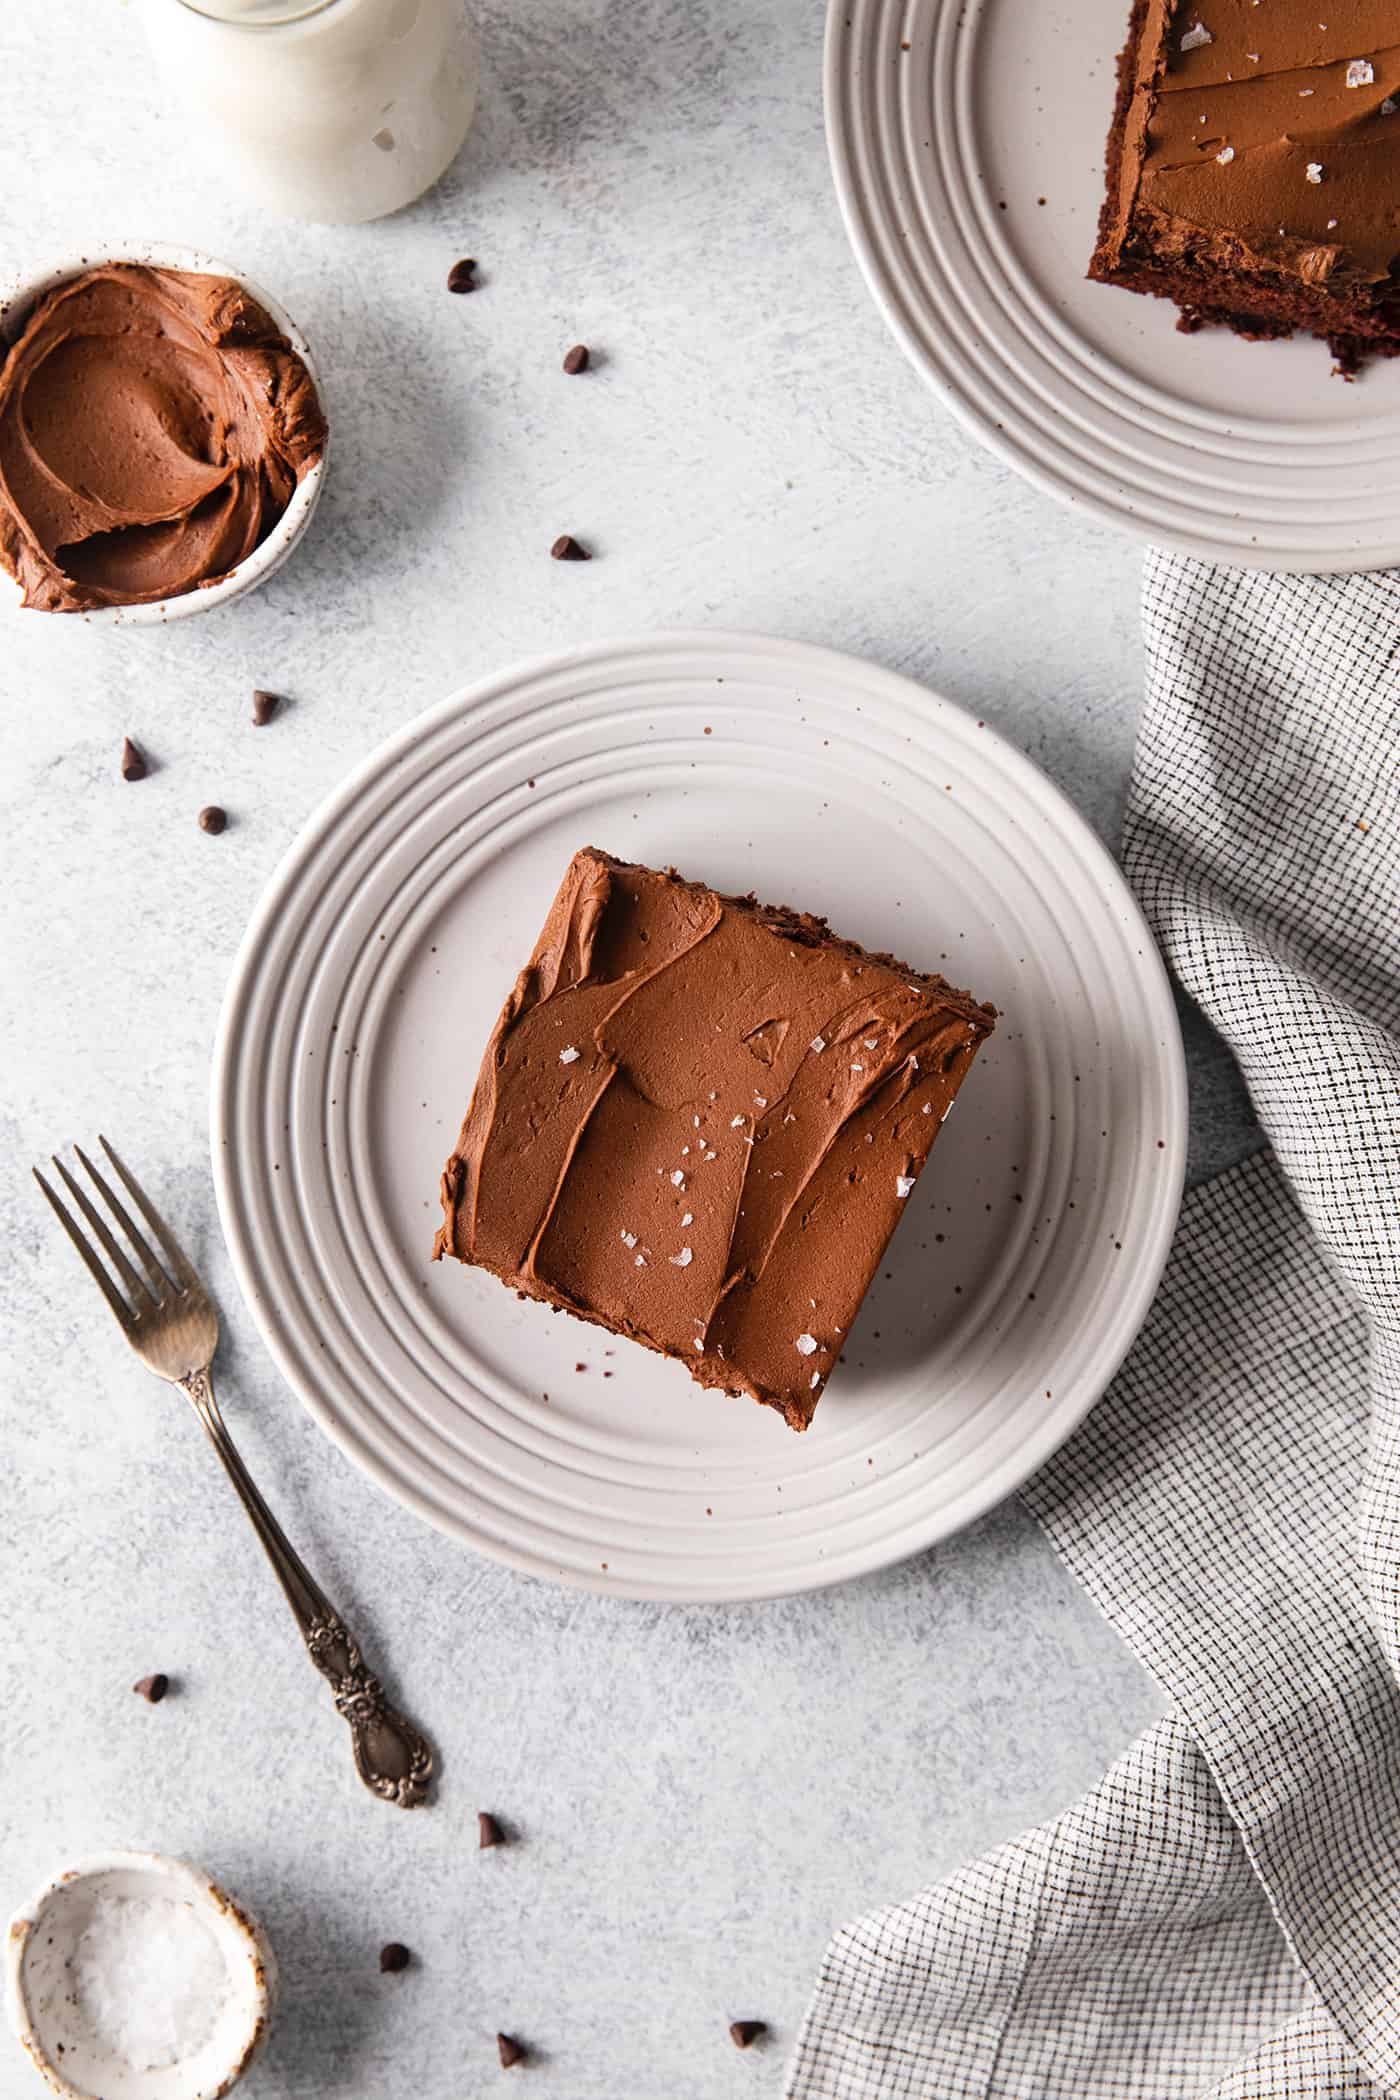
column 697, row 1122
column 153, row 427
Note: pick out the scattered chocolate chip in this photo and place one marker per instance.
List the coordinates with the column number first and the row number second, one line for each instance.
column 744, row 2033
column 153, row 1688
column 213, row 819
column 134, row 765
column 462, row 276
column 489, row 1831
column 265, row 706
column 567, row 548
column 393, row 1958
column 509, row 2050
column 576, row 360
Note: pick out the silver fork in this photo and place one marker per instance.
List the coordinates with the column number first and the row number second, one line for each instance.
column 170, row 1321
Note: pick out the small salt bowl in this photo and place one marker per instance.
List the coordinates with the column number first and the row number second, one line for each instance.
column 132, row 1977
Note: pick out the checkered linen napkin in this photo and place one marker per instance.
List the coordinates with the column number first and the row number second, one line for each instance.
column 1221, row 1915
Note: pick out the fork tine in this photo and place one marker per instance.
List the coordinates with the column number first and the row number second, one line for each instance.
column 180, row 1265
column 138, row 1290
column 144, row 1251
column 95, row 1269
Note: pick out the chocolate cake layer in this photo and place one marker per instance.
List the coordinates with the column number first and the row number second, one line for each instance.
column 1254, row 168
column 698, row 1121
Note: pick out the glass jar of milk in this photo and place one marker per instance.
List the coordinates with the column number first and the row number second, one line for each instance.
column 321, row 109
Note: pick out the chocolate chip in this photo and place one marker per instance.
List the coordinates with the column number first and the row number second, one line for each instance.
column 393, row 1958
column 462, row 276
column 134, row 765
column 153, row 1688
column 576, row 360
column 744, row 2033
column 509, row 2050
column 567, row 548
column 213, row 819
column 265, row 706
column 489, row 1832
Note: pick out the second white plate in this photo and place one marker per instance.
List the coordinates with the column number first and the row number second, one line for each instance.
column 967, row 140
column 366, row 989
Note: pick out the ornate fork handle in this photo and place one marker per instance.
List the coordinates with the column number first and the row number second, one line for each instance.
column 391, row 1757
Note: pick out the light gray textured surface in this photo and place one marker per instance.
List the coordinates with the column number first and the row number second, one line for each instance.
column 701, row 1794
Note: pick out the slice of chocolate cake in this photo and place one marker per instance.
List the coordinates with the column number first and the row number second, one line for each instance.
column 698, row 1121
column 1254, row 168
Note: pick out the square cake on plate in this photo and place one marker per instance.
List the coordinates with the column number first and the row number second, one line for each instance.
column 698, row 1121
column 1254, row 168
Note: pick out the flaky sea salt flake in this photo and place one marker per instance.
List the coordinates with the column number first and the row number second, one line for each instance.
column 736, row 1122
column 683, row 1259
column 570, row 1056
column 817, row 1044
column 1225, row 156
column 148, row 1977
column 628, row 1239
column 816, row 1380
column 1195, row 37
column 677, row 1179
column 689, row 1218
column 806, row 1345
column 903, row 1183
column 1388, row 106
column 1360, row 73
column 1314, row 171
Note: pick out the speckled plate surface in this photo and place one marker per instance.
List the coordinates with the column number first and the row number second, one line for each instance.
column 967, row 142
column 368, row 984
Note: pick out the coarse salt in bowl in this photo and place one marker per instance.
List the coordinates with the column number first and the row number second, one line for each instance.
column 19, row 296
column 132, row 1977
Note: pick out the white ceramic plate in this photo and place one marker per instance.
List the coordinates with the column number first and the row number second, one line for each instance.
column 367, row 987
column 939, row 112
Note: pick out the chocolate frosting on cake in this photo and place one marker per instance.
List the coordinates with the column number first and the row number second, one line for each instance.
column 697, row 1122
column 1268, row 128
column 153, row 427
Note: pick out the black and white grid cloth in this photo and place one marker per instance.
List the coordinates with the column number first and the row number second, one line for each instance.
column 1221, row 1915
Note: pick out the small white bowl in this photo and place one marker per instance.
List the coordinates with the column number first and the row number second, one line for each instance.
column 42, row 1995
column 17, row 298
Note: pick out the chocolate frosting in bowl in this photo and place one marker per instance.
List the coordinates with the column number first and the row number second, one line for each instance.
column 154, row 425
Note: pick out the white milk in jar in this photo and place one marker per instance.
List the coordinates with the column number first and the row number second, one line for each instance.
column 321, row 109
